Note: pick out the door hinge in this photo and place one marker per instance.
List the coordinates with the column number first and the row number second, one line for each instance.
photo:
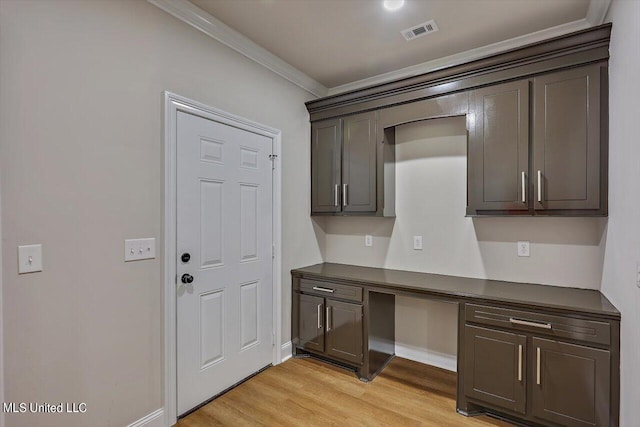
column 273, row 158
column 273, row 251
column 273, row 338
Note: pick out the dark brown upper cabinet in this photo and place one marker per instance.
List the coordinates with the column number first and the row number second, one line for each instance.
column 326, row 159
column 347, row 166
column 498, row 149
column 551, row 160
column 569, row 150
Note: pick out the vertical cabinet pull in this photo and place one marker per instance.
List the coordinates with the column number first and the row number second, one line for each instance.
column 520, row 362
column 319, row 316
column 524, row 190
column 344, row 195
column 335, row 195
column 538, row 366
column 539, row 186
column 328, row 318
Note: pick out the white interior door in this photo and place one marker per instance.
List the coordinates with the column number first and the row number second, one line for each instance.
column 224, row 223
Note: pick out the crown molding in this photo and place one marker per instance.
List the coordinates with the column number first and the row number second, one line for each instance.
column 587, row 46
column 205, row 22
column 597, row 11
column 463, row 57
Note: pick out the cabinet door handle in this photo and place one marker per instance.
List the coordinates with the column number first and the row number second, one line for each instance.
column 538, row 366
column 318, row 288
column 539, row 186
column 520, row 362
column 328, row 318
column 344, row 195
column 319, row 316
column 528, row 323
column 335, row 195
column 524, row 193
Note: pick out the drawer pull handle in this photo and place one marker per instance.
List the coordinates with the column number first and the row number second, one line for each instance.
column 318, row 288
column 520, row 362
column 538, row 366
column 527, row 323
column 335, row 196
column 319, row 316
column 328, row 318
column 524, row 189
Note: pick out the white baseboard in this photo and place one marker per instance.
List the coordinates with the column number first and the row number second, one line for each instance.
column 286, row 351
column 422, row 355
column 154, row 419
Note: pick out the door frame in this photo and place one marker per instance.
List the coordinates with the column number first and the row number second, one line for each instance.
column 172, row 104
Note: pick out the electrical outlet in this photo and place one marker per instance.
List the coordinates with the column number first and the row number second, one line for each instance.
column 417, row 243
column 368, row 240
column 523, row 248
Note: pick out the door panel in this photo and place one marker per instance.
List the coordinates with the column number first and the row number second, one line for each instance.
column 224, row 221
column 494, row 367
column 572, row 384
column 359, row 163
column 498, row 175
column 326, row 161
column 344, row 331
column 311, row 322
column 566, row 139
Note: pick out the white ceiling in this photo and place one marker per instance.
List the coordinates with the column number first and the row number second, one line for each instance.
column 341, row 41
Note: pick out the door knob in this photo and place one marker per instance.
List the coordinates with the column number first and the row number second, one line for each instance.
column 185, row 257
column 186, row 278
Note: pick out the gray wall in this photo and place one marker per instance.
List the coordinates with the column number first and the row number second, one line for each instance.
column 431, row 200
column 623, row 235
column 80, row 162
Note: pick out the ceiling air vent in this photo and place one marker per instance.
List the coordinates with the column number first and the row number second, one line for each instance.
column 420, row 30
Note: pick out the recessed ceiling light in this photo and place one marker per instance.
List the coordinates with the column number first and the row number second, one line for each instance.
column 393, row 4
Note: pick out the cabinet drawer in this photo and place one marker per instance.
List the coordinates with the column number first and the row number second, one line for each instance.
column 333, row 290
column 557, row 326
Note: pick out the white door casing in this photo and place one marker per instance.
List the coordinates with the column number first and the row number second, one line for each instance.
column 247, row 344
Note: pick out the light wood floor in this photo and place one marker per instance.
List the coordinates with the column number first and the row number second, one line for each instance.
column 311, row 393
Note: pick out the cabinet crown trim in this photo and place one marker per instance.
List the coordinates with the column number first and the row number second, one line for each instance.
column 578, row 48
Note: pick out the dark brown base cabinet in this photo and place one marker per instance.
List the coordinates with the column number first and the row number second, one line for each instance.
column 533, row 354
column 521, row 369
column 327, row 326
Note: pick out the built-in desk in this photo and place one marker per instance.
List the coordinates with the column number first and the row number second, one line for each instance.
column 538, row 354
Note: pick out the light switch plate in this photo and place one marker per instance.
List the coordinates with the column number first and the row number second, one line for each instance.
column 29, row 259
column 417, row 243
column 523, row 248
column 137, row 249
column 368, row 240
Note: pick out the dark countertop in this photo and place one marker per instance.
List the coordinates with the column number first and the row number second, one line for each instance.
column 523, row 294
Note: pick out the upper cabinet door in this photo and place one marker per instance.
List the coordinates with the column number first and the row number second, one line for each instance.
column 567, row 142
column 498, row 158
column 325, row 166
column 359, row 163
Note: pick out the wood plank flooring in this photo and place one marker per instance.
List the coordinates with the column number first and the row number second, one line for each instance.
column 311, row 393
